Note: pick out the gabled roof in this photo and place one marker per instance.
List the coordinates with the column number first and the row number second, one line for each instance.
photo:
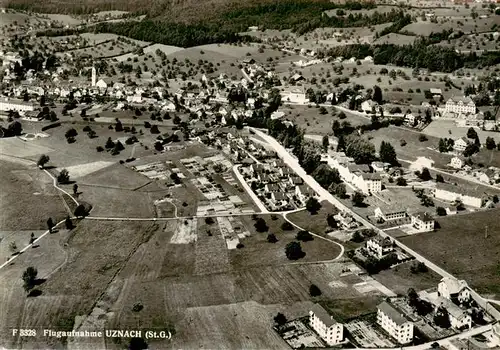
column 423, row 216
column 454, row 285
column 383, row 242
column 453, row 309
column 394, row 314
column 323, row 315
column 463, row 99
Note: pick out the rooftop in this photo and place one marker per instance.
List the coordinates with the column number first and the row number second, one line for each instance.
column 393, row 313
column 463, row 99
column 423, row 216
column 472, row 191
column 323, row 315
column 454, row 285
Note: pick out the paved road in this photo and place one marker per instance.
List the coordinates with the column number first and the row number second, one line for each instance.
column 247, row 188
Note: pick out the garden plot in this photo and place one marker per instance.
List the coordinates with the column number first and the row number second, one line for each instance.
column 367, row 336
column 298, row 335
column 231, row 230
column 185, row 233
column 156, row 171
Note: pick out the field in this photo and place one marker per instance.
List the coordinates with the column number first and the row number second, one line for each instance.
column 460, row 247
column 27, row 190
column 399, row 279
column 315, row 223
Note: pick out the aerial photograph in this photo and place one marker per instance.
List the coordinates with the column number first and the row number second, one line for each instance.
column 249, row 174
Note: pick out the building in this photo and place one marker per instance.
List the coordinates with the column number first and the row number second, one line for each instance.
column 379, row 246
column 94, row 76
column 461, row 144
column 395, row 323
column 436, row 92
column 369, row 106
column 422, row 222
column 452, row 193
column 101, row 84
column 457, row 162
column 453, row 289
column 303, row 192
column 368, row 183
column 459, row 319
column 460, row 105
column 294, row 96
column 390, row 212
column 7, row 104
column 327, row 328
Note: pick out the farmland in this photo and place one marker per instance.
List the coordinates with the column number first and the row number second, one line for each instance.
column 461, row 248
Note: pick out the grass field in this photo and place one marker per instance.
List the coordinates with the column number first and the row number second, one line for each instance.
column 460, row 247
column 27, row 190
column 399, row 279
column 315, row 223
column 115, row 176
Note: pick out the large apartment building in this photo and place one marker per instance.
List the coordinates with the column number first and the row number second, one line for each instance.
column 395, row 323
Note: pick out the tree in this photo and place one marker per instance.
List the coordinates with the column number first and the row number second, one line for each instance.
column 75, row 189
column 118, row 126
column 326, row 175
column 50, row 224
column 13, row 247
column 363, row 151
column 109, row 143
column 401, row 181
column 490, row 143
column 154, row 129
column 325, row 142
column 44, row 159
column 330, row 220
column 15, row 129
column 439, row 178
column 422, row 138
column 271, row 238
column 81, row 210
column 29, row 278
column 313, row 205
column 314, row 291
column 471, row 133
column 71, row 133
column 158, row 146
column 261, row 225
column 280, row 319
column 304, row 236
column 63, row 177
column 338, row 190
column 286, row 226
column 442, row 318
column 358, row 199
column 293, row 251
column 377, row 94
column 441, row 211
column 388, row 154
column 425, row 175
column 32, row 238
column 68, row 223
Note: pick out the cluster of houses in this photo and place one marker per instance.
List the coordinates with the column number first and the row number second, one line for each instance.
column 452, row 295
column 360, row 177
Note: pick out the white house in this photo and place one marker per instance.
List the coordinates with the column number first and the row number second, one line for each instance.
column 395, row 323
column 368, row 183
column 461, row 144
column 7, row 104
column 422, row 222
column 459, row 319
column 409, row 119
column 369, row 106
column 453, row 289
column 379, row 246
column 390, row 212
column 452, row 193
column 327, row 328
column 458, row 105
column 457, row 162
column 101, row 84
column 303, row 192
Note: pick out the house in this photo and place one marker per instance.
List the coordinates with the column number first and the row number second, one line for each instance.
column 303, row 192
column 277, row 115
column 278, row 197
column 459, row 319
column 410, row 119
column 296, row 77
column 295, row 180
column 272, row 188
column 461, row 144
column 422, row 222
column 390, row 212
column 294, row 96
column 7, row 104
column 453, row 289
column 327, row 328
column 101, row 84
column 368, row 183
column 395, row 323
column 452, row 193
column 436, row 92
column 379, row 246
column 285, row 171
column 460, row 105
column 249, row 61
column 378, row 167
column 457, row 162
column 369, row 106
